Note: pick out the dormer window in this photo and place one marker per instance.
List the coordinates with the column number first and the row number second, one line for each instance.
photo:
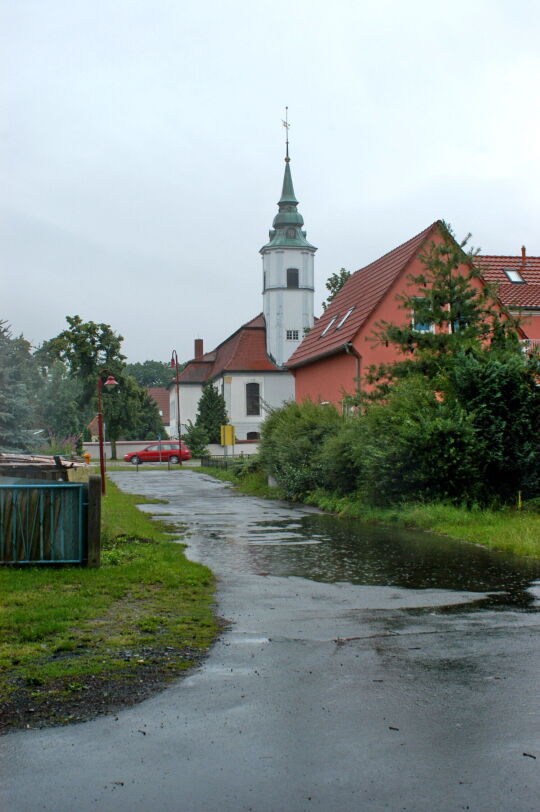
column 345, row 317
column 330, row 323
column 514, row 276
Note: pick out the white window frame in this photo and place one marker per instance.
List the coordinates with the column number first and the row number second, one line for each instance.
column 345, row 317
column 514, row 276
column 423, row 328
column 326, row 329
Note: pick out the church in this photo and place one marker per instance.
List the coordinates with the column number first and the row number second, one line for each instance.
column 248, row 367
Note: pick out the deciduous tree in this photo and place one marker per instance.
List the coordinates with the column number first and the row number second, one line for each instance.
column 334, row 284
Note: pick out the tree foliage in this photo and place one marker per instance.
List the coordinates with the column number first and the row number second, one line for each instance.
column 334, row 284
column 85, row 348
column 152, row 373
column 453, row 311
column 58, row 411
column 196, row 439
column 129, row 413
column 211, row 413
column 292, row 440
column 18, row 383
column 72, row 362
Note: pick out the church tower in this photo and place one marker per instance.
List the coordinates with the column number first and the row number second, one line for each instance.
column 288, row 276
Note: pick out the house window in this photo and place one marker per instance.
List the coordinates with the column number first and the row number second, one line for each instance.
column 252, row 435
column 345, row 317
column 513, row 275
column 420, row 324
column 293, row 335
column 253, row 399
column 292, row 277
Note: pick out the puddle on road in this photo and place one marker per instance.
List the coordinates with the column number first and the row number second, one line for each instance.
column 347, row 550
column 235, row 533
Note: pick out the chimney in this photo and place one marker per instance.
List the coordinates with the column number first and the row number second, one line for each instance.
column 198, row 348
column 523, row 256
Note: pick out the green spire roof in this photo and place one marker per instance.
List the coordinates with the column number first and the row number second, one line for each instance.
column 288, row 222
column 287, row 193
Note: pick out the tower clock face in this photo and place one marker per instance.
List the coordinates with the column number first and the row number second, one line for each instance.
column 290, row 233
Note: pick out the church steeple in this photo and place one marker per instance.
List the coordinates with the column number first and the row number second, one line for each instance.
column 288, row 274
column 287, row 225
column 287, row 193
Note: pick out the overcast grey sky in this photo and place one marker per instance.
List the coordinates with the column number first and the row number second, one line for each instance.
column 142, row 148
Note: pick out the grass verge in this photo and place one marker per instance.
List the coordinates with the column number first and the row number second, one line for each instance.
column 505, row 529
column 516, row 531
column 256, row 484
column 77, row 642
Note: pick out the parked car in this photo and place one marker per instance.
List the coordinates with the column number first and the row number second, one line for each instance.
column 160, row 452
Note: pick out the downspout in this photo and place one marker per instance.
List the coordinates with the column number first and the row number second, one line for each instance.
column 350, row 350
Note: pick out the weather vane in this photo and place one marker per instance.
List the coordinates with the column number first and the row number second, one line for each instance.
column 286, row 124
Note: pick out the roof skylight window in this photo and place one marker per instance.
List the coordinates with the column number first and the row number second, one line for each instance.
column 330, row 323
column 513, row 275
column 345, row 317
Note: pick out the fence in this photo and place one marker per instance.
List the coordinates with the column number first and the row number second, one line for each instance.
column 50, row 523
column 214, row 461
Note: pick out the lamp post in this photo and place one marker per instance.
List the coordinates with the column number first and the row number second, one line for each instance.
column 174, row 364
column 109, row 382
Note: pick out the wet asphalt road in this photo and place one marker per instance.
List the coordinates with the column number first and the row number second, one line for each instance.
column 335, row 696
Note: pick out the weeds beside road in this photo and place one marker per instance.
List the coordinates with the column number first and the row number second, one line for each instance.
column 77, row 642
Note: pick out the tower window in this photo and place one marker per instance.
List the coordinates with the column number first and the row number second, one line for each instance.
column 253, row 399
column 292, row 277
column 293, row 335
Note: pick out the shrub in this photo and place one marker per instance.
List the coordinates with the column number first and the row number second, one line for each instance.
column 417, row 447
column 196, row 439
column 245, row 466
column 292, row 440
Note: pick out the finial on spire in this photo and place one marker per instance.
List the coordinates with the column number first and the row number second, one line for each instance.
column 286, row 124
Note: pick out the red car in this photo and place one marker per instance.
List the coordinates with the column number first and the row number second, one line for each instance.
column 160, row 452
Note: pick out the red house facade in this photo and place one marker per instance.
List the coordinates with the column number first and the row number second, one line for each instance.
column 336, row 354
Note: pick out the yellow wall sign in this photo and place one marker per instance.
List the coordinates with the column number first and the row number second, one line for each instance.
column 227, row 435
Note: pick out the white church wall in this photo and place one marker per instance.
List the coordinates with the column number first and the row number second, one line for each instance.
column 274, row 390
column 189, row 401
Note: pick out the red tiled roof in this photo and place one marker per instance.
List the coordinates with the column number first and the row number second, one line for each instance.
column 161, row 396
column 363, row 291
column 492, row 268
column 243, row 351
column 517, row 295
column 513, row 294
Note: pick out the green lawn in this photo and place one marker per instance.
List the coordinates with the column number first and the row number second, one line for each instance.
column 146, row 608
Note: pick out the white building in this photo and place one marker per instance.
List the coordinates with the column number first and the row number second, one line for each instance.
column 248, row 367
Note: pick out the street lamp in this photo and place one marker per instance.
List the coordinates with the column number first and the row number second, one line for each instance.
column 100, row 384
column 174, row 364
